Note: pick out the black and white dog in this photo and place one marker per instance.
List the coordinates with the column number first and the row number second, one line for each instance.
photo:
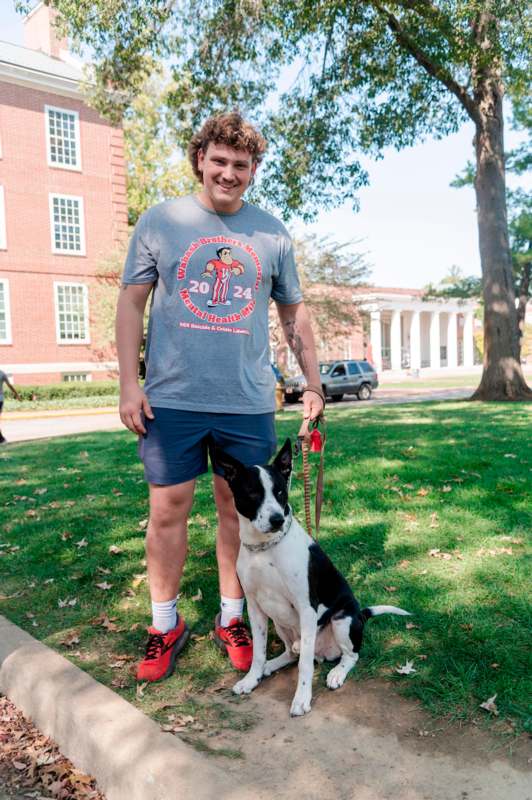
column 288, row 578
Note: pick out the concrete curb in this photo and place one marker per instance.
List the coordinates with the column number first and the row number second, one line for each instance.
column 101, row 733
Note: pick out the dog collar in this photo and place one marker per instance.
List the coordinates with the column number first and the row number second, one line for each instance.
column 257, row 548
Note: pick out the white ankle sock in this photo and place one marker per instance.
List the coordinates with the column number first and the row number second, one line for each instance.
column 164, row 615
column 231, row 608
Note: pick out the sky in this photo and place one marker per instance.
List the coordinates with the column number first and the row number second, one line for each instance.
column 414, row 227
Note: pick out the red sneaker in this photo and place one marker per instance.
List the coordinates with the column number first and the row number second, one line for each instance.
column 236, row 641
column 162, row 650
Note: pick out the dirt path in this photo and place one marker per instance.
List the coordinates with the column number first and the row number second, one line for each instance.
column 364, row 742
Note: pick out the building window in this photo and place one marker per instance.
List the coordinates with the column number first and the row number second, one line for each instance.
column 76, row 377
column 71, row 313
column 3, row 234
column 5, row 316
column 66, row 219
column 62, row 138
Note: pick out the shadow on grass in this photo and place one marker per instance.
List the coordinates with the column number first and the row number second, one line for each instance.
column 401, row 482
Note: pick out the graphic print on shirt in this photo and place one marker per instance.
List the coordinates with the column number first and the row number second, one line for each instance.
column 220, row 277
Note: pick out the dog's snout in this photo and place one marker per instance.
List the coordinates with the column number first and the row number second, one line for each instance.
column 276, row 521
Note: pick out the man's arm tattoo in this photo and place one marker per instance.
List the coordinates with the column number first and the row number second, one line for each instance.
column 295, row 343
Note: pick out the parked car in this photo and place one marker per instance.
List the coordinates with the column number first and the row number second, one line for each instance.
column 337, row 378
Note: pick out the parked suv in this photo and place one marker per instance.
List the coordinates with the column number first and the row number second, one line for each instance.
column 337, row 378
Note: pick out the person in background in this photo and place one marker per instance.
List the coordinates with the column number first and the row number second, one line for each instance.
column 5, row 379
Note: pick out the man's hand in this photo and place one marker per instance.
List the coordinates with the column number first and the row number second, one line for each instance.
column 313, row 405
column 133, row 401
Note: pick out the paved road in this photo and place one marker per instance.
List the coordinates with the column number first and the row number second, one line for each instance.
column 23, row 427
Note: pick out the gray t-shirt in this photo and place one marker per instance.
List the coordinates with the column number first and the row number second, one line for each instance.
column 208, row 344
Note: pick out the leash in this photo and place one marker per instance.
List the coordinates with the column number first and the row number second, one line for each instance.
column 309, row 439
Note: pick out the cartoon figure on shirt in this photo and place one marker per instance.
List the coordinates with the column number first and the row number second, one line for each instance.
column 224, row 266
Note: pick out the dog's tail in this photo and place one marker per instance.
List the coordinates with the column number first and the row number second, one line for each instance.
column 374, row 611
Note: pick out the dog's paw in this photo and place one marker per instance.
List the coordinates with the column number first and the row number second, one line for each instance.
column 336, row 677
column 300, row 706
column 246, row 685
column 296, row 647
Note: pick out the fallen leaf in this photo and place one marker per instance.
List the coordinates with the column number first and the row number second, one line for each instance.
column 104, row 585
column 437, row 553
column 103, row 570
column 198, row 596
column 489, row 705
column 143, row 524
column 423, row 492
column 447, row 488
column 510, row 455
column 40, row 491
column 19, row 765
column 140, row 690
column 115, row 550
column 82, row 543
column 434, row 520
column 138, row 579
column 410, row 626
column 71, row 640
column 495, row 665
column 66, row 535
column 391, row 588
column 406, row 669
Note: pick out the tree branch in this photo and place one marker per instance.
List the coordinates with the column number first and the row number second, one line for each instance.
column 435, row 70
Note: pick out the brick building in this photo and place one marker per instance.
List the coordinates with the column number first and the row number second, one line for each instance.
column 63, row 211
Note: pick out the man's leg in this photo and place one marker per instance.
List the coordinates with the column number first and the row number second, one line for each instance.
column 227, row 540
column 230, row 631
column 166, row 540
column 166, row 549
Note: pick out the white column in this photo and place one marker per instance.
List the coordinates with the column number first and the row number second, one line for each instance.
column 375, row 336
column 435, row 362
column 468, row 339
column 452, row 340
column 415, row 341
column 395, row 339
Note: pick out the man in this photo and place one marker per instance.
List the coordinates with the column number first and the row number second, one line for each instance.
column 5, row 379
column 209, row 380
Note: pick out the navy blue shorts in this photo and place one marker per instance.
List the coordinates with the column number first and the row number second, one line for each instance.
column 176, row 444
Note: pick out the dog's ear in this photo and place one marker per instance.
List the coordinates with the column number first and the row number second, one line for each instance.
column 283, row 460
column 231, row 466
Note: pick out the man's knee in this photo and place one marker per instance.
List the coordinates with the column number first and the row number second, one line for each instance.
column 169, row 507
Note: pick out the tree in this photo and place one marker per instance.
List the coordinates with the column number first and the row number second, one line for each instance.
column 329, row 272
column 519, row 201
column 372, row 73
column 156, row 169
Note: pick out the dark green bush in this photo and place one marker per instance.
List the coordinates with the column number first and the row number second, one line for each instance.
column 58, row 391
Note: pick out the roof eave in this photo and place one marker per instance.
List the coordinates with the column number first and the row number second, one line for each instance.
column 43, row 81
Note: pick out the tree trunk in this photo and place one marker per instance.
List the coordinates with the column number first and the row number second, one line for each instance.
column 524, row 296
column 502, row 377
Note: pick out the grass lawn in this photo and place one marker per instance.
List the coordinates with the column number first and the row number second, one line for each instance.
column 426, row 507
column 95, row 401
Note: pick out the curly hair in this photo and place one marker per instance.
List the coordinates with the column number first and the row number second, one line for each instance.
column 230, row 129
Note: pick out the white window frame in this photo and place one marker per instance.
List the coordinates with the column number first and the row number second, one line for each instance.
column 87, row 377
column 54, row 164
column 54, row 195
column 87, row 339
column 3, row 228
column 8, row 337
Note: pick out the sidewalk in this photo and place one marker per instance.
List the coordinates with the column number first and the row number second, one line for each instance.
column 26, row 425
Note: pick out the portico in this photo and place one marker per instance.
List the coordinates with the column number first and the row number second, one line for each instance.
column 409, row 333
